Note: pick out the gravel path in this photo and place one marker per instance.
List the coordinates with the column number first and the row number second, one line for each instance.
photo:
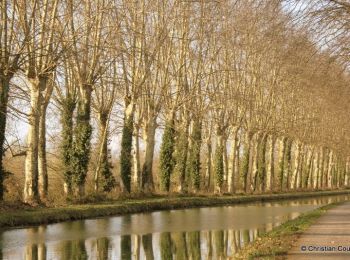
column 328, row 238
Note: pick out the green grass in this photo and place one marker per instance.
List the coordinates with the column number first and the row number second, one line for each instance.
column 276, row 243
column 28, row 216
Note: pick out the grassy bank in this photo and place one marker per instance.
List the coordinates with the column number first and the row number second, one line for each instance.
column 28, row 216
column 276, row 243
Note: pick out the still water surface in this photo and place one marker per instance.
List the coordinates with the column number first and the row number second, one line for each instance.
column 201, row 233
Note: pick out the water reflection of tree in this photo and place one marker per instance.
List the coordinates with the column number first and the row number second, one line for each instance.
column 218, row 236
column 136, row 241
column 148, row 246
column 102, row 245
column 209, row 244
column 179, row 245
column 194, row 245
column 35, row 251
column 165, row 246
column 125, row 247
column 79, row 250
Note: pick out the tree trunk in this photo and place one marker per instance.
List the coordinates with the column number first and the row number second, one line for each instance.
column 281, row 153
column 182, row 155
column 82, row 146
column 308, row 168
column 254, row 165
column 149, row 137
column 294, row 180
column 329, row 170
column 194, row 164
column 225, row 158
column 103, row 174
column 136, row 177
column 245, row 178
column 208, row 169
column 315, row 171
column 31, row 192
column 166, row 154
column 218, row 162
column 126, row 145
column 287, row 163
column 42, row 161
column 103, row 150
column 4, row 91
column 68, row 107
column 301, row 167
column 261, row 159
column 270, row 178
column 232, row 173
column 347, row 171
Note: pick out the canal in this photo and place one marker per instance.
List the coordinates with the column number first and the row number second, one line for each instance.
column 198, row 233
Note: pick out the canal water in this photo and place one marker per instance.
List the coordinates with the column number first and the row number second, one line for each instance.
column 200, row 233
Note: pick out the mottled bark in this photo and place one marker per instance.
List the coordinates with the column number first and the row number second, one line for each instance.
column 31, row 191
column 254, row 164
column 329, row 170
column 149, row 138
column 270, row 179
column 231, row 180
column 42, row 160
column 103, row 150
column 295, row 174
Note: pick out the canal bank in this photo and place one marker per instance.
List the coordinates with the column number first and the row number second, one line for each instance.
column 46, row 215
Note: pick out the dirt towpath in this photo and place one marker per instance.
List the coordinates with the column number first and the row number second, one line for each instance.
column 328, row 238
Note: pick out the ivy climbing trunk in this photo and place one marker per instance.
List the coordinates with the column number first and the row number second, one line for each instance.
column 136, row 178
column 103, row 175
column 194, row 164
column 219, row 162
column 4, row 92
column 208, row 169
column 245, row 163
column 82, row 146
column 182, row 154
column 261, row 178
column 31, row 192
column 68, row 107
column 149, row 137
column 126, row 145
column 166, row 159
